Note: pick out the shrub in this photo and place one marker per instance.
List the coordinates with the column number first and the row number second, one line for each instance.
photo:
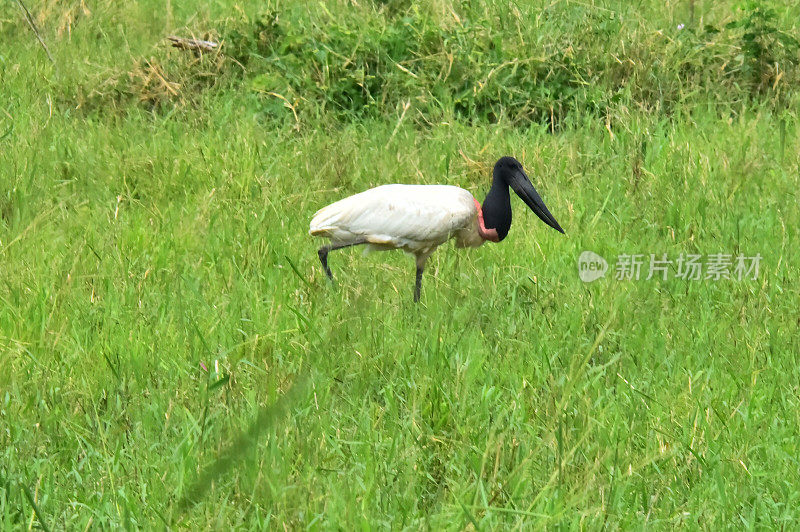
column 480, row 66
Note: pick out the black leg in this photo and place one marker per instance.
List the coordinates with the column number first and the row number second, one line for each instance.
column 418, row 285
column 421, row 260
column 324, row 250
column 323, row 258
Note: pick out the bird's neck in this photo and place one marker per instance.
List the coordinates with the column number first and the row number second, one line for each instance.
column 497, row 208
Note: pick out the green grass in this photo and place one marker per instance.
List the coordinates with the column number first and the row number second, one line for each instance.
column 172, row 354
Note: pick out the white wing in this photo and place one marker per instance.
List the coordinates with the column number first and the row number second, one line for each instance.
column 412, row 217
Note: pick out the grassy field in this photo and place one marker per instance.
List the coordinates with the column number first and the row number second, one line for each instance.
column 171, row 353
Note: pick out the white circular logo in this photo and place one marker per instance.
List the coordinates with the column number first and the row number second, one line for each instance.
column 591, row 266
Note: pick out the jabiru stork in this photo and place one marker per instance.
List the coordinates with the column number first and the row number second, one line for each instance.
column 419, row 218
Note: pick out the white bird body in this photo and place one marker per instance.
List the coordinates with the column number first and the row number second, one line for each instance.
column 414, row 218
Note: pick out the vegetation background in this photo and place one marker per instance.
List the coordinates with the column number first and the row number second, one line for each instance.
column 172, row 355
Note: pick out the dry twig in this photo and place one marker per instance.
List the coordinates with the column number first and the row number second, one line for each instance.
column 193, row 44
column 32, row 24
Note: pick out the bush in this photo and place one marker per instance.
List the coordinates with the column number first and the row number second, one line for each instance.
column 476, row 62
column 484, row 65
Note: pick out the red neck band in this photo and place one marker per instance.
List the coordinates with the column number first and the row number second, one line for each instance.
column 486, row 234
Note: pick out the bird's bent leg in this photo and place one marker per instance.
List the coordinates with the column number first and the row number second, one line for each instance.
column 324, row 250
column 420, row 268
column 323, row 258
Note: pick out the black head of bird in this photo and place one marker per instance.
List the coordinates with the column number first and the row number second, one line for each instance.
column 507, row 173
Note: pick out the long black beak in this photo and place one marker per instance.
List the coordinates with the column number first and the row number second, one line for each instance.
column 524, row 189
